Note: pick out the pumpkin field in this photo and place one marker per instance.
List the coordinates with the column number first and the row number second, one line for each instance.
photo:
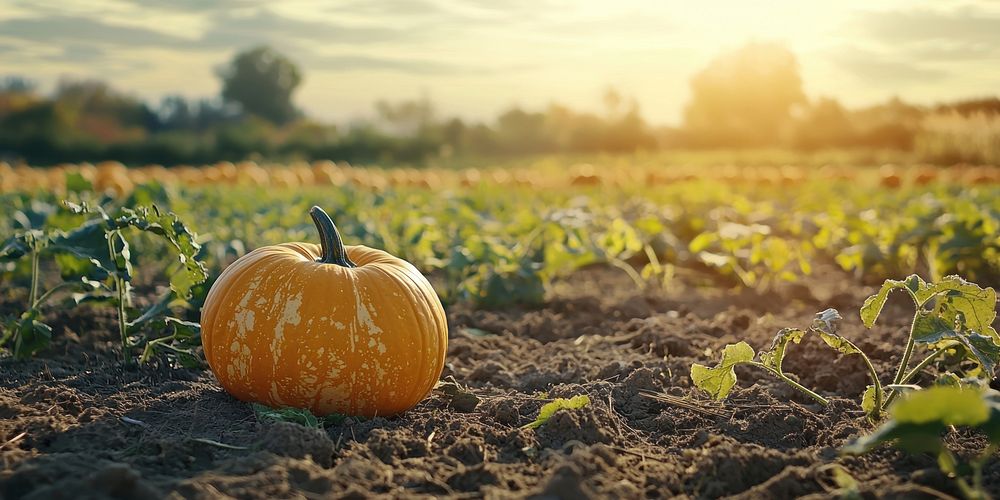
column 629, row 327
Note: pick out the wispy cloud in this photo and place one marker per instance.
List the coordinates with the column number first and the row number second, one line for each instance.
column 882, row 69
column 965, row 24
column 338, row 63
column 58, row 30
column 228, row 30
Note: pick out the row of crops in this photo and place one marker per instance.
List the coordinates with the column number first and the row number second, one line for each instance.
column 494, row 244
column 544, row 174
column 485, row 244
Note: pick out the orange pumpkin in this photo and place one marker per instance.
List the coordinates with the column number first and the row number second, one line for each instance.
column 333, row 329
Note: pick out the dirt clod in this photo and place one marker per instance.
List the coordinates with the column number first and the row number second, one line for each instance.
column 297, row 441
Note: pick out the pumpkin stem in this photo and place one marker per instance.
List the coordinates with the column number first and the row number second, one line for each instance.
column 329, row 239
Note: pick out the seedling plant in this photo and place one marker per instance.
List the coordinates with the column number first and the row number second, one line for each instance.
column 952, row 320
column 95, row 260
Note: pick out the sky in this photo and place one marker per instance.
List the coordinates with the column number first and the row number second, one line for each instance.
column 476, row 58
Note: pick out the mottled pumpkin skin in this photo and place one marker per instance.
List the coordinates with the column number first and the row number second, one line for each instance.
column 282, row 329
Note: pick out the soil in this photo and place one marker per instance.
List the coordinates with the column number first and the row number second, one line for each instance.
column 75, row 423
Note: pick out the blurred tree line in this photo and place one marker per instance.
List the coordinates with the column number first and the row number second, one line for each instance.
column 749, row 98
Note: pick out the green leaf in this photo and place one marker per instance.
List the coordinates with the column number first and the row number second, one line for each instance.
column 776, row 353
column 183, row 329
column 719, row 380
column 77, row 183
column 868, row 400
column 549, row 409
column 180, row 345
column 826, row 325
column 171, row 228
column 295, row 415
column 26, row 335
column 86, row 208
column 522, row 286
column 985, row 350
column 992, row 425
column 872, row 307
column 14, row 248
column 929, row 328
column 122, row 255
column 88, row 242
column 98, row 292
column 153, row 311
column 918, row 420
column 969, row 304
column 948, row 379
column 914, row 438
column 34, row 215
column 847, row 487
column 702, row 242
column 147, row 194
column 943, row 404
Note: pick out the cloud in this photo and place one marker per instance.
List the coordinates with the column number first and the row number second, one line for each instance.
column 263, row 26
column 79, row 53
column 354, row 63
column 81, row 39
column 406, row 8
column 59, row 30
column 954, row 52
column 226, row 31
column 965, row 23
column 883, row 68
column 191, row 6
column 966, row 26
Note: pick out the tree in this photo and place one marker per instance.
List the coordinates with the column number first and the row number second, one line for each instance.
column 407, row 117
column 744, row 98
column 824, row 124
column 261, row 81
column 17, row 84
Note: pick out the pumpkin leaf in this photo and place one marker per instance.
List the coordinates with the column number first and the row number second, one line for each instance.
column 868, row 403
column 919, row 419
column 826, row 325
column 776, row 353
column 848, row 487
column 550, row 409
column 14, row 248
column 77, row 183
column 122, row 255
column 914, row 438
column 26, row 335
column 96, row 291
column 146, row 194
column 294, row 415
column 180, row 345
column 719, row 380
column 947, row 405
column 969, row 305
column 873, row 305
column 171, row 228
column 88, row 242
column 932, row 329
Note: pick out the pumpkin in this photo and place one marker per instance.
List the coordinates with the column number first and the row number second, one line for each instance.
column 330, row 328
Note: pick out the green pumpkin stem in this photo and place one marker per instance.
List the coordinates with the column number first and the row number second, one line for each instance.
column 329, row 239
